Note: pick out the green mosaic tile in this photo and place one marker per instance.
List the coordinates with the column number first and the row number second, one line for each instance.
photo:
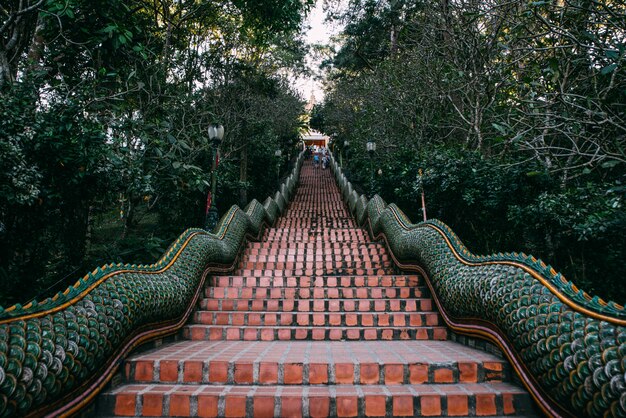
column 52, row 351
column 573, row 345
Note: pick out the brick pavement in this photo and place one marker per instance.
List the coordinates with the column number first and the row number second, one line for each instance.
column 315, row 321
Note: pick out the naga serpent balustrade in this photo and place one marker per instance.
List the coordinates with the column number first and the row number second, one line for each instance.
column 568, row 348
column 56, row 356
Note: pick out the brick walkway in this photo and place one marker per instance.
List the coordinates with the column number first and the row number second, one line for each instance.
column 315, row 322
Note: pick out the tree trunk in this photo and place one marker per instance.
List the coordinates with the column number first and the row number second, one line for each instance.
column 35, row 53
column 243, row 178
column 445, row 22
column 75, row 231
column 16, row 32
column 89, row 230
column 393, row 40
column 168, row 39
column 6, row 75
column 129, row 217
column 478, row 119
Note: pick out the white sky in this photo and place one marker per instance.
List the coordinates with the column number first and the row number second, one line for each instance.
column 319, row 32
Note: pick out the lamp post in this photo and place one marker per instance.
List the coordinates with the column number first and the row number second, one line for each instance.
column 421, row 185
column 216, row 133
column 371, row 148
column 278, row 153
column 346, row 144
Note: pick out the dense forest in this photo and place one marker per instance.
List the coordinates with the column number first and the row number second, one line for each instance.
column 514, row 110
column 104, row 110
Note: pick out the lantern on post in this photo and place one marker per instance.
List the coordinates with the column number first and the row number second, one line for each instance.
column 421, row 185
column 278, row 153
column 371, row 148
column 216, row 134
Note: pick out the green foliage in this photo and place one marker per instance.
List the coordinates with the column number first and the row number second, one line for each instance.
column 274, row 15
column 57, row 163
column 586, row 224
column 496, row 207
column 519, row 128
column 103, row 146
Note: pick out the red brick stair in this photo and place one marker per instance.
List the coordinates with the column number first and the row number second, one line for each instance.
column 315, row 321
column 314, row 363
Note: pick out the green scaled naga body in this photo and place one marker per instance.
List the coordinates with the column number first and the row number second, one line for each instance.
column 568, row 348
column 55, row 356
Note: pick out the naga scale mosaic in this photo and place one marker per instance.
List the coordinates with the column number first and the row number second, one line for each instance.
column 568, row 348
column 56, row 355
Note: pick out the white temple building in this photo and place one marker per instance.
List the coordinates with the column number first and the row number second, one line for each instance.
column 313, row 137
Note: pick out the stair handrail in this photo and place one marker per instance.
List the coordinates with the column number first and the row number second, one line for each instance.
column 57, row 355
column 567, row 347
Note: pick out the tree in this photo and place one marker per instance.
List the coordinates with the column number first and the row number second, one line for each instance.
column 18, row 22
column 103, row 123
column 505, row 105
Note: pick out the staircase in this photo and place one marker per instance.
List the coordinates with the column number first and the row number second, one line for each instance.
column 315, row 322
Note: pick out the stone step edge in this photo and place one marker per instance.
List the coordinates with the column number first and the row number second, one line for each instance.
column 361, row 245
column 317, row 244
column 330, row 320
column 329, row 276
column 324, row 304
column 211, row 290
column 380, row 306
column 201, row 332
column 326, row 281
column 398, row 301
column 328, row 253
column 314, row 272
column 280, row 229
column 189, row 400
column 355, row 312
column 285, row 372
column 316, row 258
column 333, row 265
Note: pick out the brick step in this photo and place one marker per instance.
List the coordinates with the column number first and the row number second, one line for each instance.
column 319, row 305
column 319, row 254
column 294, row 247
column 316, row 292
column 318, row 227
column 329, row 232
column 332, row 205
column 304, row 248
column 480, row 399
column 315, row 281
column 304, row 207
column 316, row 322
column 314, row 234
column 315, row 222
column 315, row 271
column 298, row 219
column 311, row 238
column 264, row 333
column 318, row 362
column 301, row 207
column 304, row 210
column 328, row 264
column 284, row 248
column 318, row 319
column 317, row 257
